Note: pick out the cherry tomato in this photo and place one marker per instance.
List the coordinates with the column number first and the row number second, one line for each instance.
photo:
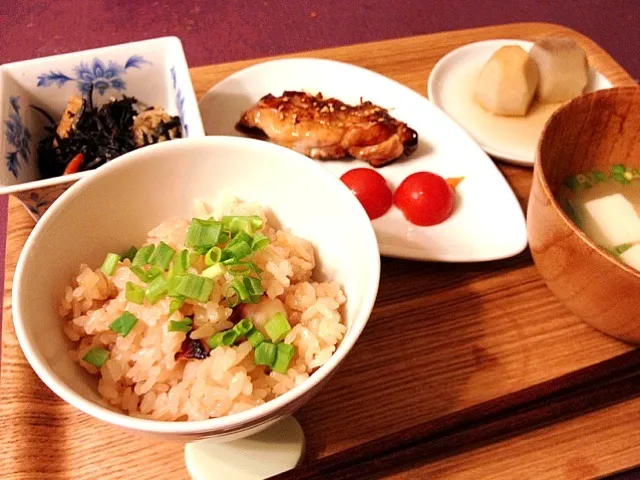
column 371, row 189
column 424, row 198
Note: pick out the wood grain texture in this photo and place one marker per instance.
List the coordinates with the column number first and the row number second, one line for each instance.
column 483, row 336
column 589, row 446
column 591, row 133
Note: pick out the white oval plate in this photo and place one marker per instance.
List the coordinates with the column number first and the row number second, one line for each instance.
column 510, row 139
column 487, row 223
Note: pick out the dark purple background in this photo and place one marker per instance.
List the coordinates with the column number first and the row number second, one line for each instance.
column 219, row 31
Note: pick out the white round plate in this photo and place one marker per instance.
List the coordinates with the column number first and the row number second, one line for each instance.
column 487, row 222
column 512, row 139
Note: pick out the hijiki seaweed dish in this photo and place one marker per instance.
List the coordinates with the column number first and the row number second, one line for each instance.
column 88, row 136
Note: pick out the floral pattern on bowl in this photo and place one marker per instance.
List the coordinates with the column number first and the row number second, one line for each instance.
column 95, row 73
column 180, row 99
column 154, row 71
column 18, row 136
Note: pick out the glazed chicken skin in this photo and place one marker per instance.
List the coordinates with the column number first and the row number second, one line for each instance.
column 327, row 129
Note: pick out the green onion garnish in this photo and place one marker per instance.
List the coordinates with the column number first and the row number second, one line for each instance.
column 253, row 286
column 236, row 224
column 617, row 169
column 182, row 262
column 277, row 327
column 176, row 304
column 224, row 237
column 241, row 268
column 180, row 326
column 214, row 271
column 228, row 337
column 162, row 256
column 146, row 275
column 110, row 263
column 96, row 356
column 236, row 293
column 142, row 256
column 124, row 324
column 265, row 354
column 255, row 337
column 212, row 256
column 256, row 222
column 191, row 286
column 237, row 251
column 284, row 354
column 129, row 253
column 240, row 237
column 259, row 242
column 243, row 327
column 253, row 299
column 156, row 289
column 203, row 233
column 216, row 340
column 134, row 293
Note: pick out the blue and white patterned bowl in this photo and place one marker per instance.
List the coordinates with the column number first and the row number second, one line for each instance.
column 154, row 71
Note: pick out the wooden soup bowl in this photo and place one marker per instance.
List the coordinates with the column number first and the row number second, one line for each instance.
column 591, row 132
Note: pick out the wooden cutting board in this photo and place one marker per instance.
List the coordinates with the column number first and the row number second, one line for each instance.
column 479, row 338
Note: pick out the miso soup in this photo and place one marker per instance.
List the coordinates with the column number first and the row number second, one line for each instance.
column 606, row 207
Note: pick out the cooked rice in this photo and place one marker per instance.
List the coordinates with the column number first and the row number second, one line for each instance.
column 142, row 376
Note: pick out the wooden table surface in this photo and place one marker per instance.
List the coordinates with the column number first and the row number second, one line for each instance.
column 485, row 337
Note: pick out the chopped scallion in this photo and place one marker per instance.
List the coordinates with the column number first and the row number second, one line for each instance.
column 191, row 286
column 146, row 275
column 265, row 354
column 227, row 337
column 212, row 256
column 238, row 286
column 216, row 340
column 110, row 263
column 253, row 286
column 129, row 253
column 180, row 326
column 284, row 354
column 203, row 233
column 236, row 224
column 124, row 324
column 156, row 289
column 142, row 256
column 240, row 237
column 237, row 251
column 214, row 271
column 162, row 256
column 241, row 268
column 256, row 222
column 255, row 337
column 277, row 327
column 259, row 242
column 96, row 356
column 134, row 293
column 243, row 327
column 176, row 304
column 182, row 262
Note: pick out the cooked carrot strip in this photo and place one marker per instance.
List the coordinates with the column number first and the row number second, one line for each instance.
column 454, row 181
column 74, row 165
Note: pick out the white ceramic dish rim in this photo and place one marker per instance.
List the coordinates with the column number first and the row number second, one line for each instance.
column 438, row 71
column 48, row 182
column 407, row 253
column 223, row 424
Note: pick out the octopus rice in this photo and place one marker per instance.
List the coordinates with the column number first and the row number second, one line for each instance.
column 149, row 374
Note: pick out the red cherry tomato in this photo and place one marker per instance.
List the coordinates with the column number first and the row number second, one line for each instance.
column 371, row 189
column 424, row 198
